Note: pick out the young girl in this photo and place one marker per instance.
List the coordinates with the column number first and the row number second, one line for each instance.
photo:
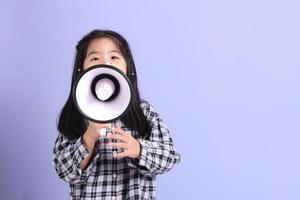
column 87, row 161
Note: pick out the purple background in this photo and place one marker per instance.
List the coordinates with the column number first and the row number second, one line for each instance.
column 224, row 75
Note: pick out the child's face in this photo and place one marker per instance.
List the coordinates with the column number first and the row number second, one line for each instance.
column 104, row 51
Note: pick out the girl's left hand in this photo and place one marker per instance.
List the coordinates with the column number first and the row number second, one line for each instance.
column 125, row 141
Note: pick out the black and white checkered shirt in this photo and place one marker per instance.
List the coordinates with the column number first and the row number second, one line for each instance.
column 115, row 179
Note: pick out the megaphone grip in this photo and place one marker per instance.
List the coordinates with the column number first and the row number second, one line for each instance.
column 104, row 132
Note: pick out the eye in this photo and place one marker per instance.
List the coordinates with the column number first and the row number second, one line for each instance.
column 114, row 57
column 94, row 59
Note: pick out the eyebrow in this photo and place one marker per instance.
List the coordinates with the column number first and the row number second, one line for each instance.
column 97, row 52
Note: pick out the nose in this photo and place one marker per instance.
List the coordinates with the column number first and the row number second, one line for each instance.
column 106, row 60
column 107, row 63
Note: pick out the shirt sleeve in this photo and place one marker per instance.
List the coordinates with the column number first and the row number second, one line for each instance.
column 158, row 154
column 67, row 157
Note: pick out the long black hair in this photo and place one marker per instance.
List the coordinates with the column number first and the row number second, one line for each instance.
column 71, row 123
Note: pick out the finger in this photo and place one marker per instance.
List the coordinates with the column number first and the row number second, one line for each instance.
column 117, row 137
column 119, row 145
column 119, row 131
column 120, row 155
column 98, row 125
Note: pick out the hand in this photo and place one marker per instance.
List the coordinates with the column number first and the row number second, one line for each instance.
column 90, row 137
column 92, row 133
column 130, row 145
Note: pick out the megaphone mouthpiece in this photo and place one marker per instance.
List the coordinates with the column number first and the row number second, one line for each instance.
column 104, row 89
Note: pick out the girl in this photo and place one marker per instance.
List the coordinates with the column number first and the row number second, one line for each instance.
column 88, row 162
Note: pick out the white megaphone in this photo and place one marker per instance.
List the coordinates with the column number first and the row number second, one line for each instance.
column 102, row 93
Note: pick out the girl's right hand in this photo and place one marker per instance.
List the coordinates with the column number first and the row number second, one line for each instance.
column 92, row 134
column 89, row 138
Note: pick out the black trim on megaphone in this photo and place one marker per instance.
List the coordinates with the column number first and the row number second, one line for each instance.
column 86, row 71
column 110, row 77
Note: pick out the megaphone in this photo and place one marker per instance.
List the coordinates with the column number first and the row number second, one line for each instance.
column 102, row 93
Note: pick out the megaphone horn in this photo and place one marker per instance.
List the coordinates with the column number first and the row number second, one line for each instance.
column 102, row 93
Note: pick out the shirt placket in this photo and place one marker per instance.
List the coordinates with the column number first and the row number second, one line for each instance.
column 114, row 169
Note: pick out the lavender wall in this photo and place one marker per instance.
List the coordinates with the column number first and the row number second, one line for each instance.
column 224, row 75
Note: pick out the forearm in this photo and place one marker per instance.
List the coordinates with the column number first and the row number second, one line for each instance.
column 90, row 145
column 67, row 159
column 155, row 158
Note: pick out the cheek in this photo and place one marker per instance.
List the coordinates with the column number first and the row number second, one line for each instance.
column 124, row 69
column 121, row 66
column 85, row 64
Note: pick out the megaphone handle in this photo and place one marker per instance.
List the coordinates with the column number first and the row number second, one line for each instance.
column 104, row 132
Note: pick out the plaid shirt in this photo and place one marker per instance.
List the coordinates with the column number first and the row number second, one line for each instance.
column 112, row 179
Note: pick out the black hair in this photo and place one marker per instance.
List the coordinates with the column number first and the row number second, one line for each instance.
column 71, row 123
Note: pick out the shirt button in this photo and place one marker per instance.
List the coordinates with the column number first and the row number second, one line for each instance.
column 113, row 198
column 114, row 176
